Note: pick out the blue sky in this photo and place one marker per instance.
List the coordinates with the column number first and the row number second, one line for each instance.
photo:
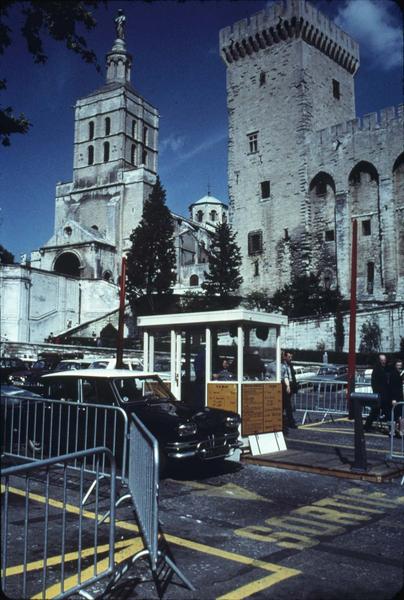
column 177, row 68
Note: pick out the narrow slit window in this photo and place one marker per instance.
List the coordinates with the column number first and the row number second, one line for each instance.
column 107, row 126
column 366, row 227
column 91, row 130
column 133, row 155
column 133, row 128
column 253, row 142
column 265, row 190
column 335, row 89
column 90, row 153
column 106, row 152
column 370, row 277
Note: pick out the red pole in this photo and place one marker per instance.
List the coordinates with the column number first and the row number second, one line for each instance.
column 352, row 315
column 119, row 343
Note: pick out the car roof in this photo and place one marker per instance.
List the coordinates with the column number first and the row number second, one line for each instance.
column 100, row 373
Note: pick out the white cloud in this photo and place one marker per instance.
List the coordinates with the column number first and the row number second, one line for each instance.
column 370, row 22
column 172, row 143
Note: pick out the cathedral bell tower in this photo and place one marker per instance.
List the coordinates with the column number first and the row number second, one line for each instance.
column 114, row 170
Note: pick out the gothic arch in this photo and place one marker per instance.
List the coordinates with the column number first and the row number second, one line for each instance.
column 363, row 167
column 68, row 263
column 320, row 182
column 194, row 280
column 399, row 162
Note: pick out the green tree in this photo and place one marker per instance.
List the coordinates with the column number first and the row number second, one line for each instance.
column 151, row 259
column 6, row 258
column 370, row 337
column 223, row 279
column 258, row 300
column 306, row 296
column 56, row 19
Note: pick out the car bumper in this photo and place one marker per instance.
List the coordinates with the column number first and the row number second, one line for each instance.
column 208, row 449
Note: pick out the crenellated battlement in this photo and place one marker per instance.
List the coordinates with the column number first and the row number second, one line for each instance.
column 286, row 20
column 386, row 117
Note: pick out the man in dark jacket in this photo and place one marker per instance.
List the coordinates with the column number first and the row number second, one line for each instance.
column 380, row 385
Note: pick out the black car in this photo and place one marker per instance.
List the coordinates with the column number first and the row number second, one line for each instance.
column 30, row 378
column 14, row 404
column 8, row 366
column 327, row 374
column 182, row 431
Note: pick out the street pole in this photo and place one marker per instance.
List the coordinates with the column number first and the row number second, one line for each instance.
column 352, row 318
column 119, row 344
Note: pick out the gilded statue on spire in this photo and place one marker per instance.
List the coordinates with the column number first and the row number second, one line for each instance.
column 120, row 20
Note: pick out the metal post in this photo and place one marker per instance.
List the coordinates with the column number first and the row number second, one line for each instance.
column 278, row 354
column 119, row 345
column 151, row 352
column 240, row 365
column 173, row 348
column 146, row 354
column 208, row 360
column 352, row 317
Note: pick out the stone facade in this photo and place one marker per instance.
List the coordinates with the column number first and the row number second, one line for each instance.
column 301, row 166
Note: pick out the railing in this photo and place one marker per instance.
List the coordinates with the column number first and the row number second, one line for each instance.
column 35, row 429
column 397, row 433
column 51, row 547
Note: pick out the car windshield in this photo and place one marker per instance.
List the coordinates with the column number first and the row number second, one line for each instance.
column 141, row 389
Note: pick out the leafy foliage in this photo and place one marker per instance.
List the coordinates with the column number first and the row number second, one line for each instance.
column 339, row 331
column 223, row 279
column 306, row 296
column 58, row 20
column 370, row 337
column 258, row 300
column 151, row 260
column 6, row 258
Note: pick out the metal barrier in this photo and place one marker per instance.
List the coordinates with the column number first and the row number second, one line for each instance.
column 327, row 397
column 37, row 527
column 143, row 485
column 35, row 429
column 397, row 433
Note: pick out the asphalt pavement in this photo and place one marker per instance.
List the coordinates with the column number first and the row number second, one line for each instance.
column 247, row 531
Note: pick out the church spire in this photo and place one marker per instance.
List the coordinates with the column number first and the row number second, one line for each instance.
column 119, row 61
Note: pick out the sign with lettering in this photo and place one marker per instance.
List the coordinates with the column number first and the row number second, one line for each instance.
column 222, row 395
column 261, row 409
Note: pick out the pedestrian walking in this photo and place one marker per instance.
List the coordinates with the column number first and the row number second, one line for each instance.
column 289, row 387
column 380, row 385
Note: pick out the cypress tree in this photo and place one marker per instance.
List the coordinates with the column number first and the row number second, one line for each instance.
column 151, row 259
column 223, row 279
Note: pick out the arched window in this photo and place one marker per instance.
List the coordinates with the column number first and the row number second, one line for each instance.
column 91, row 130
column 213, row 215
column 194, row 280
column 106, row 151
column 94, row 227
column 133, row 154
column 107, row 126
column 90, row 155
column 68, row 264
column 199, row 216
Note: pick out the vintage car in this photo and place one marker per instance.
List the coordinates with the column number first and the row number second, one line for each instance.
column 182, row 431
column 8, row 366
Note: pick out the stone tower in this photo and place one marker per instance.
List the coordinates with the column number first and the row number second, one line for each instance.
column 114, row 169
column 289, row 73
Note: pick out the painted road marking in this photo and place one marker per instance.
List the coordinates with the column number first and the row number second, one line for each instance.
column 278, row 572
column 303, row 527
column 312, row 443
column 229, row 490
column 317, row 424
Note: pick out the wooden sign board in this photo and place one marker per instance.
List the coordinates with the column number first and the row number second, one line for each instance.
column 222, row 395
column 261, row 409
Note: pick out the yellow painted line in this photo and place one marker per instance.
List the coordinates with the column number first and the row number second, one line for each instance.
column 229, row 490
column 68, row 557
column 350, row 431
column 330, row 445
column 267, row 566
column 68, row 507
column 317, row 424
column 130, row 549
column 260, row 584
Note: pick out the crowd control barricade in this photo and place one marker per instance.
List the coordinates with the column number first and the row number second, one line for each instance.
column 143, row 482
column 51, row 547
column 38, row 428
column 397, row 433
column 326, row 397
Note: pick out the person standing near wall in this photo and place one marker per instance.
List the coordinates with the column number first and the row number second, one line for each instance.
column 380, row 385
column 289, row 387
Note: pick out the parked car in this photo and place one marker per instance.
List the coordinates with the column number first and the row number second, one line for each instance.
column 182, row 431
column 13, row 404
column 72, row 365
column 303, row 373
column 8, row 366
column 30, row 378
column 328, row 374
column 133, row 364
